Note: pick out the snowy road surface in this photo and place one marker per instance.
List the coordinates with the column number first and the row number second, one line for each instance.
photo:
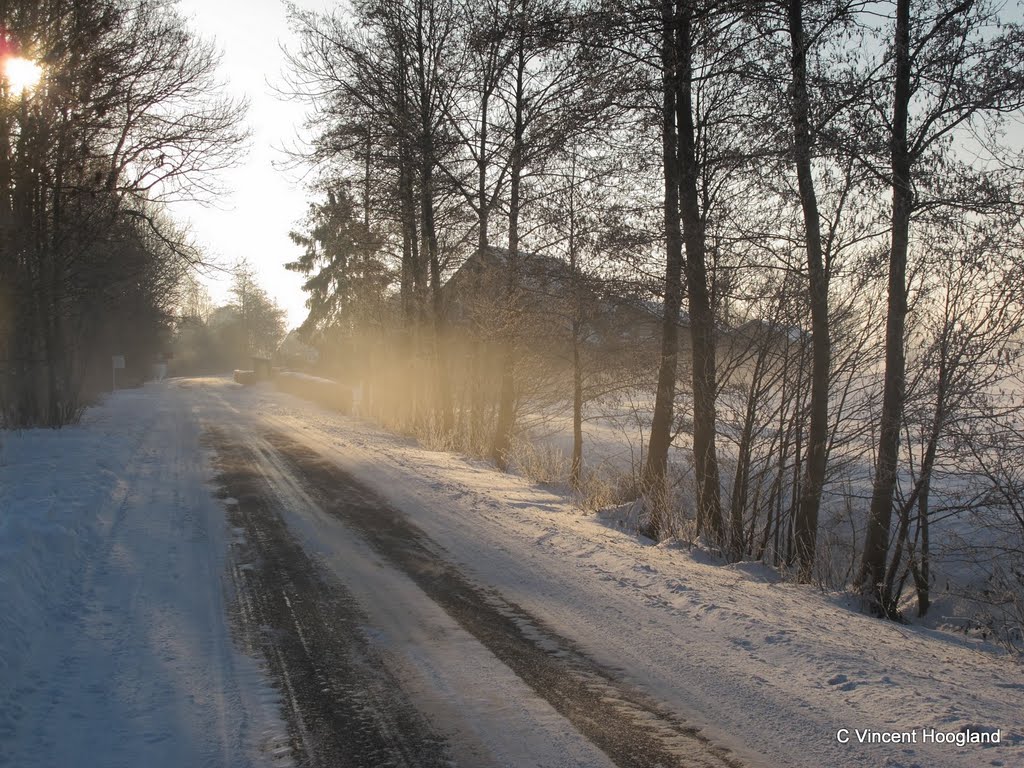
column 203, row 575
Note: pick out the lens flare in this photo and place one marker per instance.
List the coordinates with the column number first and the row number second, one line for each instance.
column 21, row 74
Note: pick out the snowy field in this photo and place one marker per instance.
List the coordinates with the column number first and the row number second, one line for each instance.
column 112, row 555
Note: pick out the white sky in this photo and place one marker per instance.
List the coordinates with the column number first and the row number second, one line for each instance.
column 261, row 204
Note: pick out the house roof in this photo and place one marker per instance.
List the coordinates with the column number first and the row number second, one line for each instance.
column 548, row 277
column 536, row 271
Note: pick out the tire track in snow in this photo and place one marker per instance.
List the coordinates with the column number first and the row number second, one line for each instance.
column 137, row 667
column 634, row 731
column 342, row 706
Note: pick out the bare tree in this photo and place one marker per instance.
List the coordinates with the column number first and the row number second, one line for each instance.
column 948, row 72
column 127, row 115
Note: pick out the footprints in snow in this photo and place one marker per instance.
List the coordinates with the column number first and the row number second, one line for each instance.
column 843, row 683
column 779, row 637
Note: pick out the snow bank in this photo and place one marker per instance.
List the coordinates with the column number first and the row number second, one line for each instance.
column 58, row 489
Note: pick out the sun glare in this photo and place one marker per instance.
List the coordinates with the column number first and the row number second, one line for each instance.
column 22, row 75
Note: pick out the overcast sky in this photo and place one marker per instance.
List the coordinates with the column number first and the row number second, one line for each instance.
column 262, row 204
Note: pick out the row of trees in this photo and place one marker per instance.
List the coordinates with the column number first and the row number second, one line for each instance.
column 126, row 117
column 211, row 339
column 833, row 177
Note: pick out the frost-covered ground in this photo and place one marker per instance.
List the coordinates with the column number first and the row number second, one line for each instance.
column 111, row 550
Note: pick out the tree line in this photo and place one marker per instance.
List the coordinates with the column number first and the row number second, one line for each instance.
column 209, row 339
column 818, row 202
column 127, row 115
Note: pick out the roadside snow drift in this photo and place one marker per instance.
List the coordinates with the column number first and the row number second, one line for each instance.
column 114, row 640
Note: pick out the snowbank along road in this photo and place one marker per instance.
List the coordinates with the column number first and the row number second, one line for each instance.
column 204, row 575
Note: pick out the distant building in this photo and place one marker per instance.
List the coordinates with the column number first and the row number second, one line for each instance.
column 548, row 297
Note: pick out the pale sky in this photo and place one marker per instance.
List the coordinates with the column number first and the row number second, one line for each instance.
column 261, row 204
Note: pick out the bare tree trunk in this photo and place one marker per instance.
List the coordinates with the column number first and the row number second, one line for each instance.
column 8, row 274
column 872, row 571
column 477, row 404
column 890, row 597
column 576, row 469
column 919, row 498
column 507, row 397
column 702, row 321
column 806, row 522
column 410, row 248
column 444, row 393
column 741, row 481
column 431, row 281
column 507, row 400
column 664, row 403
column 921, row 565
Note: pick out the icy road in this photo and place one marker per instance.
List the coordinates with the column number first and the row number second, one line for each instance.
column 212, row 576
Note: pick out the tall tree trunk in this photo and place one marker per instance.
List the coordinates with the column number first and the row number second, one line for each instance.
column 806, row 522
column 430, row 276
column 10, row 296
column 921, row 565
column 576, row 468
column 507, row 399
column 664, row 402
column 477, row 404
column 444, row 393
column 702, row 321
column 876, row 545
column 919, row 497
column 367, row 177
column 406, row 194
column 741, row 482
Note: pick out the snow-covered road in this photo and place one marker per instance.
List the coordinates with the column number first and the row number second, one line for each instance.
column 497, row 688
column 206, row 575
